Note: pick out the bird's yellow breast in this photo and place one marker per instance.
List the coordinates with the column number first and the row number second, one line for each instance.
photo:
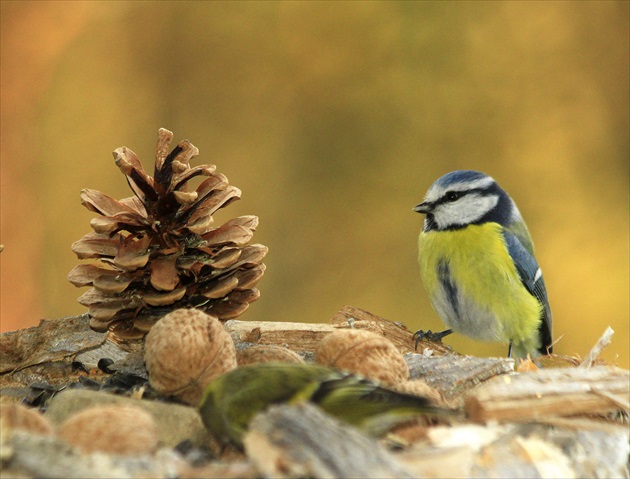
column 492, row 303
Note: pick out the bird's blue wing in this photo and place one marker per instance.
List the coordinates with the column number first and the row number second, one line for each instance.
column 532, row 278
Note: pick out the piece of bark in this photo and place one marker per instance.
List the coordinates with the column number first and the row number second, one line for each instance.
column 549, row 393
column 37, row 361
column 455, row 375
column 52, row 340
column 90, row 357
column 397, row 333
column 295, row 336
column 302, row 441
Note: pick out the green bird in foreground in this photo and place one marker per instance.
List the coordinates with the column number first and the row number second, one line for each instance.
column 232, row 400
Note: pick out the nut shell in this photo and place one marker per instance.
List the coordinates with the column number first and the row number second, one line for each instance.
column 266, row 354
column 184, row 351
column 17, row 417
column 124, row 430
column 363, row 352
column 418, row 387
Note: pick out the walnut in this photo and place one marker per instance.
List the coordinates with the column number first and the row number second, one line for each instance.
column 184, row 351
column 112, row 429
column 419, row 387
column 363, row 352
column 266, row 354
column 17, row 417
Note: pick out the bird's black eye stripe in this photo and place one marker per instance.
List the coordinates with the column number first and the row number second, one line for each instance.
column 453, row 196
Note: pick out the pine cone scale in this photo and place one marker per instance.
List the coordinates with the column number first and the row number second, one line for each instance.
column 163, row 299
column 249, row 278
column 102, row 204
column 127, row 161
column 165, row 137
column 181, row 179
column 105, row 280
column 164, row 276
column 221, row 289
column 238, row 230
column 96, row 245
column 141, row 184
column 133, row 253
column 164, row 175
column 227, row 257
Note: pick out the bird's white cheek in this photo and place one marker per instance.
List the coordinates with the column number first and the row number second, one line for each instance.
column 467, row 210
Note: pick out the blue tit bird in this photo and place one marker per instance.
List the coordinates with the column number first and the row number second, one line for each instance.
column 478, row 267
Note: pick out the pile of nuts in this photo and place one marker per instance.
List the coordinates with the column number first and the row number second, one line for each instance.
column 188, row 348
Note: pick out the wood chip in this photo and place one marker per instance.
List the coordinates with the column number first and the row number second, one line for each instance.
column 550, row 393
column 302, row 441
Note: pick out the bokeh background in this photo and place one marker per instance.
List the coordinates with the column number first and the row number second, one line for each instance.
column 333, row 118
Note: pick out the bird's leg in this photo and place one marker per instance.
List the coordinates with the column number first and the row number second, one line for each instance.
column 430, row 335
column 510, row 350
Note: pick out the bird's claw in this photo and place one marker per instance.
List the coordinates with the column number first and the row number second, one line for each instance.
column 430, row 336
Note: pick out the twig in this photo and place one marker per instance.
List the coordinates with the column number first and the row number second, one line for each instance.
column 619, row 401
column 594, row 353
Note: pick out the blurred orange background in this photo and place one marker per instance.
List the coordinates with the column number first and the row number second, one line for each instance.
column 333, row 118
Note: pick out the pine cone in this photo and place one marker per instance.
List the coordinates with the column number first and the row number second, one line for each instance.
column 159, row 251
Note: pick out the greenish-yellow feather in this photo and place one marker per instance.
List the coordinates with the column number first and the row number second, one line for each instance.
column 481, row 267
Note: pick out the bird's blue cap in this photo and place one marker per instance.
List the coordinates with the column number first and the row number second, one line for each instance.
column 459, row 176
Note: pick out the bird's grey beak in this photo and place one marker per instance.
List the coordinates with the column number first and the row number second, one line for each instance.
column 424, row 207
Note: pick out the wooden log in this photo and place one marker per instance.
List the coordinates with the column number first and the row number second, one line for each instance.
column 453, row 376
column 295, row 336
column 66, row 338
column 51, row 340
column 397, row 333
column 305, row 337
column 549, row 393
